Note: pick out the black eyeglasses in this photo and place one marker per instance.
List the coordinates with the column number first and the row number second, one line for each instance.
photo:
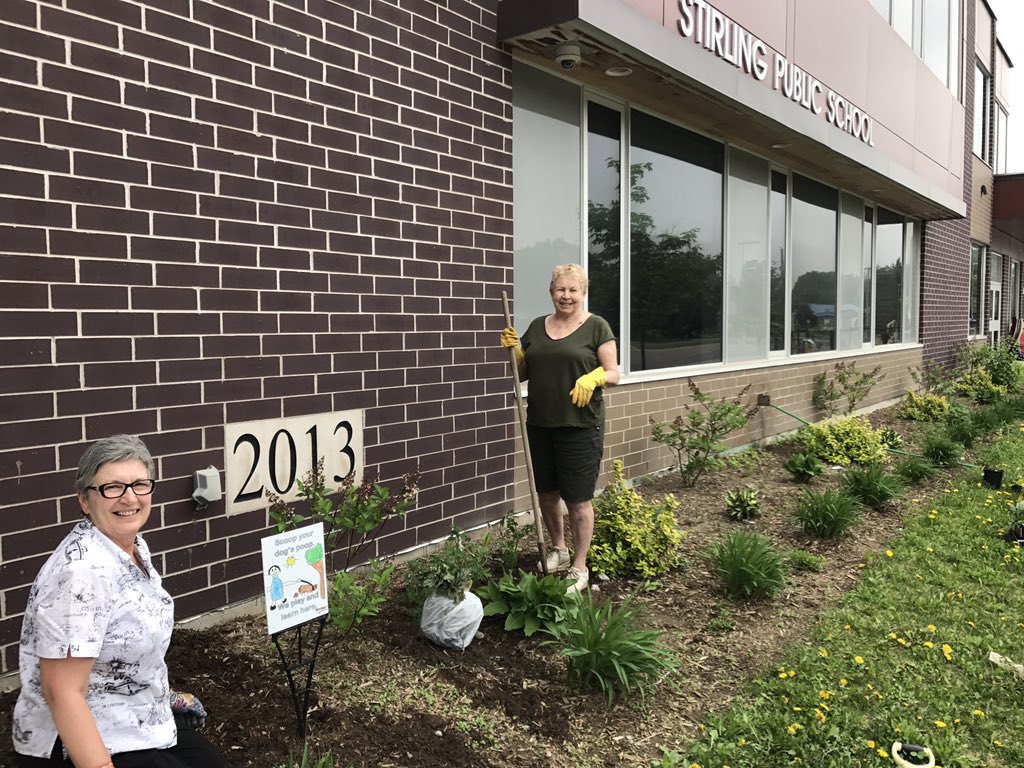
column 117, row 490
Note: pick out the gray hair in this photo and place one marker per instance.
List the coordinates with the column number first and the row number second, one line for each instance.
column 574, row 271
column 110, row 449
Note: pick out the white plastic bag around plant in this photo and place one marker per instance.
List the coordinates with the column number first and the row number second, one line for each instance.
column 450, row 624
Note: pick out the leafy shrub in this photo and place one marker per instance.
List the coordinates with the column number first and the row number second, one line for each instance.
column 633, row 536
column 843, row 441
column 606, row 648
column 978, row 385
column 743, row 504
column 846, row 381
column 961, row 426
column 870, row 485
column 1000, row 361
column 827, row 514
column 530, row 603
column 890, row 438
column 914, row 469
column 697, row 438
column 932, row 377
column 448, row 571
column 940, row 449
column 748, row 565
column 800, row 560
column 508, row 541
column 803, row 466
column 925, row 407
column 359, row 595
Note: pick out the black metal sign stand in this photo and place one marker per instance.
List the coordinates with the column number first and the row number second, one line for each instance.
column 303, row 661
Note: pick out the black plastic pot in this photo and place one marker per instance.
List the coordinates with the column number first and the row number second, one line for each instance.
column 993, row 478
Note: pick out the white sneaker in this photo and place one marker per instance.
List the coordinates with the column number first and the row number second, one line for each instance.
column 580, row 578
column 557, row 560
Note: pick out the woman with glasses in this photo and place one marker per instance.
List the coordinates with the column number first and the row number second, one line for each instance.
column 94, row 687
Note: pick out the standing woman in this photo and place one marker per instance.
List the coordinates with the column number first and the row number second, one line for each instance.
column 94, row 687
column 568, row 357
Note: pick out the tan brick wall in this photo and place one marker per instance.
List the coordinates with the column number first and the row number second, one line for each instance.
column 790, row 386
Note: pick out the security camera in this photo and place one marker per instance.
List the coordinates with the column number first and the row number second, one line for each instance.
column 568, row 55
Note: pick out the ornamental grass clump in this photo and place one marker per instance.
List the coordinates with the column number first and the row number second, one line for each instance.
column 871, row 485
column 940, row 449
column 606, row 648
column 697, row 437
column 848, row 440
column 803, row 466
column 915, row 469
column 827, row 514
column 748, row 565
column 633, row 537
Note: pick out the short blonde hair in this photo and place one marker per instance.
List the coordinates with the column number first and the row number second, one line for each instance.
column 569, row 270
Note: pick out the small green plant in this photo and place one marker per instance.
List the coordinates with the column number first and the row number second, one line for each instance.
column 530, row 603
column 722, row 622
column 870, row 484
column 940, row 449
column 890, row 438
column 449, row 571
column 962, row 427
column 803, row 466
column 847, row 382
column 605, row 647
column 999, row 361
column 508, row 541
column 743, row 504
column 923, row 407
column 915, row 469
column 669, row 759
column 633, row 537
column 359, row 595
column 844, row 441
column 827, row 514
column 748, row 565
column 801, row 560
column 697, row 437
column 932, row 377
column 324, row 761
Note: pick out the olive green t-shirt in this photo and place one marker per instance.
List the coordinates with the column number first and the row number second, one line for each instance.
column 553, row 365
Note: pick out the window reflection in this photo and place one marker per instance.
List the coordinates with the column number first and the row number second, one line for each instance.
column 675, row 246
column 604, row 212
column 778, row 253
column 889, row 277
column 813, row 214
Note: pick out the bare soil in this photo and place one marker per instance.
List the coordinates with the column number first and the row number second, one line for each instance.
column 384, row 696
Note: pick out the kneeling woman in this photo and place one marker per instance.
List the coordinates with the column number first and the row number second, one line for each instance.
column 94, row 687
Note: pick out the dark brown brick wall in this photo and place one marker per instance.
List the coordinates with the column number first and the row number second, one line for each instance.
column 254, row 211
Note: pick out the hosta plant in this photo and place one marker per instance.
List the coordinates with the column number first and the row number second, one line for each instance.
column 529, row 603
column 803, row 466
column 748, row 565
column 890, row 437
column 870, row 484
column 743, row 504
column 607, row 648
column 633, row 537
column 827, row 514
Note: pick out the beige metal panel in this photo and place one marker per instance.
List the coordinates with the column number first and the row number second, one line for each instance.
column 767, row 18
column 1003, row 81
column 836, row 62
column 983, row 33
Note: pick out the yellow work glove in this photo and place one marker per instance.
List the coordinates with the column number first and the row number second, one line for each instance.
column 585, row 386
column 510, row 340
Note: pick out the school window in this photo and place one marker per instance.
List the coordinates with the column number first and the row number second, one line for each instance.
column 976, row 286
column 982, row 83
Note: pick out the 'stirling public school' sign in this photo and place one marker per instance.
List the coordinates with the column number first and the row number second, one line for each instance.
column 729, row 41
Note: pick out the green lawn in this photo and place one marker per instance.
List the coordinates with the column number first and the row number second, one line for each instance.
column 905, row 655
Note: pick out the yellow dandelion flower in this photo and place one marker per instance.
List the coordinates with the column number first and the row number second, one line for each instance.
column 826, row 695
column 792, row 673
column 882, row 752
column 930, row 549
column 843, row 682
column 741, row 743
column 892, row 635
column 823, row 653
column 871, row 744
column 901, row 641
column 931, row 628
column 929, row 644
column 888, row 553
column 858, row 659
column 940, row 724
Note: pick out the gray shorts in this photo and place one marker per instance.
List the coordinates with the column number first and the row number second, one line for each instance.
column 567, row 460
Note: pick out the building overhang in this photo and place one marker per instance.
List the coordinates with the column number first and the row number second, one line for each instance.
column 1008, row 204
column 724, row 103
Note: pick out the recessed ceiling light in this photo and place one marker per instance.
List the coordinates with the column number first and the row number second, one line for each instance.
column 780, row 145
column 618, row 71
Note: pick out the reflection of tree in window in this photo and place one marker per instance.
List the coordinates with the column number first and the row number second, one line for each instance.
column 603, row 214
column 675, row 247
column 888, row 277
column 814, row 214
